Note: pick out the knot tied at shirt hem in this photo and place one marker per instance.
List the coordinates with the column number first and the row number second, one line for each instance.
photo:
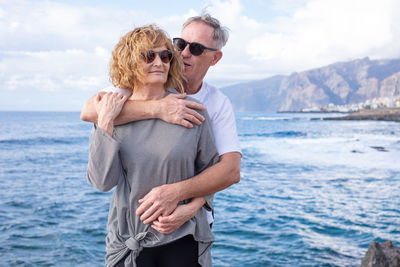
column 135, row 243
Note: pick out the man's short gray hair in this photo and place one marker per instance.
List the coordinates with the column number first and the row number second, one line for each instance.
column 221, row 33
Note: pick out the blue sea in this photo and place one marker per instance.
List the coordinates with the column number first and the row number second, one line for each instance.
column 312, row 192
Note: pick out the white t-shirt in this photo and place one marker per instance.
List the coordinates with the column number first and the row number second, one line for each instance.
column 223, row 122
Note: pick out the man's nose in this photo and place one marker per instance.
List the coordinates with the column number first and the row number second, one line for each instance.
column 186, row 52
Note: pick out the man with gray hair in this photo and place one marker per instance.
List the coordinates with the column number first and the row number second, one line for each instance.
column 200, row 45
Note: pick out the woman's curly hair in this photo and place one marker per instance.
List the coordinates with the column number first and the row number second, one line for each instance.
column 125, row 70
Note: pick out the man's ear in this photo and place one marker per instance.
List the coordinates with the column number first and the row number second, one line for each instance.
column 216, row 58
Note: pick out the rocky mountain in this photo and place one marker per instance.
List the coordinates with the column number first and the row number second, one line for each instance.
column 340, row 83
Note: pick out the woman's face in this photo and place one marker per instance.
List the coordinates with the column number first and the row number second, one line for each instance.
column 156, row 67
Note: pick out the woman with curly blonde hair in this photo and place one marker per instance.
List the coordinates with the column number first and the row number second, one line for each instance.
column 125, row 70
column 134, row 158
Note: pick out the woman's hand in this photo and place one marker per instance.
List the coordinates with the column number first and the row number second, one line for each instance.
column 108, row 107
column 182, row 214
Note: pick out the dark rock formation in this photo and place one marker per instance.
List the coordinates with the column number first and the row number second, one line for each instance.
column 382, row 255
column 383, row 114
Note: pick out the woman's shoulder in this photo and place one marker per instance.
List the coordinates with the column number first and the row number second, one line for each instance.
column 171, row 91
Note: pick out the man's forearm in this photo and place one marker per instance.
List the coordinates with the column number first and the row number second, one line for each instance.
column 182, row 214
column 162, row 200
column 88, row 112
column 214, row 179
column 193, row 206
column 133, row 110
column 136, row 110
column 172, row 108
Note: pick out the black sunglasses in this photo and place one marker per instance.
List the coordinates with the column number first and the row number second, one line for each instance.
column 195, row 49
column 150, row 55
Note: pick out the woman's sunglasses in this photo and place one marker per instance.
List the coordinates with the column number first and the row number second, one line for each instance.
column 150, row 55
column 195, row 49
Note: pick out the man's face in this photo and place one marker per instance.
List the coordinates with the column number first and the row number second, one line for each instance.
column 196, row 67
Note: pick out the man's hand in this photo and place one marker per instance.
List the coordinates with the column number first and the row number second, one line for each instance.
column 182, row 214
column 161, row 200
column 175, row 109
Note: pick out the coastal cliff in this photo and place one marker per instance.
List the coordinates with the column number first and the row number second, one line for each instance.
column 341, row 83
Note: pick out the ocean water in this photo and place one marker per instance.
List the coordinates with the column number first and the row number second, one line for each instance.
column 312, row 192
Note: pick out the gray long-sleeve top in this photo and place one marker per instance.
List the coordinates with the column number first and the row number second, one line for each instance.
column 140, row 156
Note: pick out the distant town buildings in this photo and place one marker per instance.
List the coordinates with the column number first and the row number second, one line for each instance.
column 375, row 103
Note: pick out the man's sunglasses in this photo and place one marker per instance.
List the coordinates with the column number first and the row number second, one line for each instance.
column 150, row 55
column 195, row 49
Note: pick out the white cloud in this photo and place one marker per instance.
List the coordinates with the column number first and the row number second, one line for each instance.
column 47, row 25
column 58, row 47
column 54, row 70
column 323, row 32
column 305, row 34
column 236, row 64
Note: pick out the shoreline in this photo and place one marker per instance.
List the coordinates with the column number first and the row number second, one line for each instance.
column 382, row 114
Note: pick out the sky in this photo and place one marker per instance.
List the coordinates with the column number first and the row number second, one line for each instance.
column 54, row 55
